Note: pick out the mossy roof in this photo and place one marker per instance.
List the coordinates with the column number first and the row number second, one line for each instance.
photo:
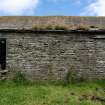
column 52, row 22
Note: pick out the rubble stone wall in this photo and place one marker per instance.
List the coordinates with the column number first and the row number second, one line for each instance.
column 51, row 56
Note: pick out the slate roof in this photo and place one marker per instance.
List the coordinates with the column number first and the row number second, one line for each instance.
column 71, row 22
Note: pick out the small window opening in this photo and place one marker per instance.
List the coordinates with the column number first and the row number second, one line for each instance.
column 3, row 53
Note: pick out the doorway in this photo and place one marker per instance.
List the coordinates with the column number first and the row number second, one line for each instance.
column 2, row 53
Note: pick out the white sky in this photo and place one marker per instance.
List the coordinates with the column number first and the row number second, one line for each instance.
column 96, row 8
column 18, row 7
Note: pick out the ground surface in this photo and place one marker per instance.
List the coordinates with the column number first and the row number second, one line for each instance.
column 89, row 93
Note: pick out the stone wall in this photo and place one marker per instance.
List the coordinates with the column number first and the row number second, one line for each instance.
column 50, row 56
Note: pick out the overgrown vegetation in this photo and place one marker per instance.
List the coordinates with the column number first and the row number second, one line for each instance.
column 89, row 93
column 21, row 92
column 71, row 76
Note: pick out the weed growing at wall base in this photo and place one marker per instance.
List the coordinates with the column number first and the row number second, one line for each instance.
column 20, row 79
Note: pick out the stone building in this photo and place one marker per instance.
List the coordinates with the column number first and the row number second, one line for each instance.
column 50, row 48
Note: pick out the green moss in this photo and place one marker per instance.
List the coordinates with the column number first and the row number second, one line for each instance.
column 50, row 27
column 82, row 27
column 67, row 27
column 57, row 27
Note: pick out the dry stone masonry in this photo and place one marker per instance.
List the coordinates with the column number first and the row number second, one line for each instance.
column 51, row 54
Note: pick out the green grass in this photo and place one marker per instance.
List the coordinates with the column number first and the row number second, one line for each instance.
column 89, row 93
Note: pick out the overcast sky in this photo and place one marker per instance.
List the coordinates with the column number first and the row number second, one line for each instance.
column 52, row 7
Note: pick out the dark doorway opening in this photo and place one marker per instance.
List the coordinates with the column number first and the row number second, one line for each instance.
column 3, row 53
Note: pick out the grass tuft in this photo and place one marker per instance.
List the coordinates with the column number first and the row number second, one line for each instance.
column 19, row 79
